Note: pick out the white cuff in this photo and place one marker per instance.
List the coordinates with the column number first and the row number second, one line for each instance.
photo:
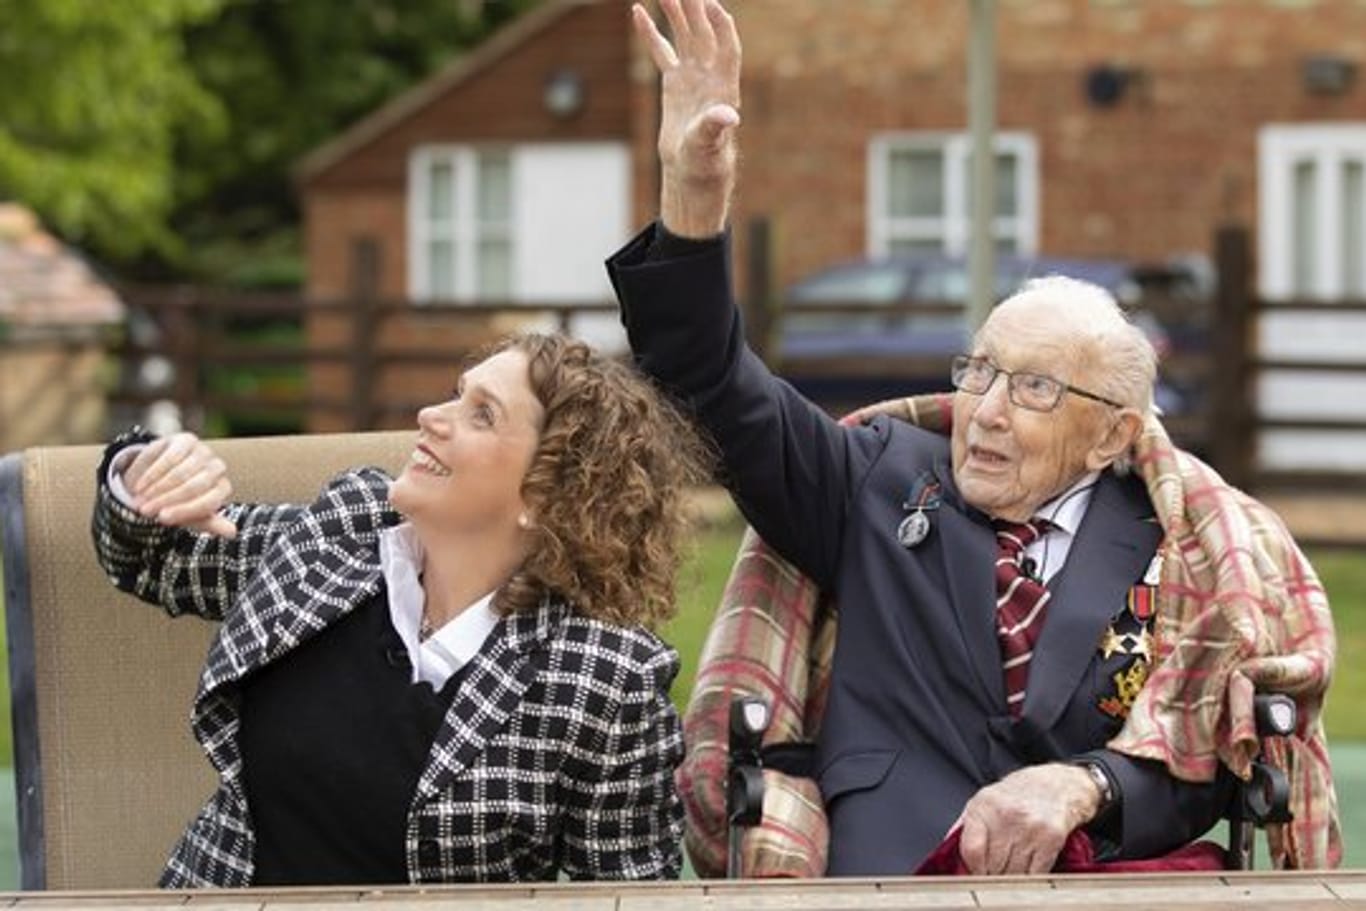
column 117, row 465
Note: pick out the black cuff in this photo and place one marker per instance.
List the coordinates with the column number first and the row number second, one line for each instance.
column 670, row 246
column 1106, row 826
column 133, row 436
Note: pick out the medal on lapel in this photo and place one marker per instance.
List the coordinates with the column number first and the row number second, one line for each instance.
column 1130, row 636
column 923, row 496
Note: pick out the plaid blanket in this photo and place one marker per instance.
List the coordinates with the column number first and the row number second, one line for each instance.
column 1239, row 608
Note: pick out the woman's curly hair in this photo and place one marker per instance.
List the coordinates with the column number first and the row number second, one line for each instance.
column 607, row 487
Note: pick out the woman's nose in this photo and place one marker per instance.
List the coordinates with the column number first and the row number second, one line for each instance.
column 432, row 420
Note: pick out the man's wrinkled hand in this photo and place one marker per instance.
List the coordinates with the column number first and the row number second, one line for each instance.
column 1020, row 823
column 700, row 98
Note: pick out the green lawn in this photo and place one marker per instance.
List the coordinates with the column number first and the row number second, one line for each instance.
column 700, row 588
column 1344, row 576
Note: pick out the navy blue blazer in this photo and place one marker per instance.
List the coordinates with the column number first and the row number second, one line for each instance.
column 916, row 722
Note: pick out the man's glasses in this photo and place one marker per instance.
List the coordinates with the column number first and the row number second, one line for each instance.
column 1034, row 391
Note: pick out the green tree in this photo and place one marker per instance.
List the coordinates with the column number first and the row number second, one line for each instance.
column 291, row 75
column 95, row 95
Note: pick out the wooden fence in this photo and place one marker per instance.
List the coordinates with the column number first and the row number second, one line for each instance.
column 1288, row 383
column 277, row 355
column 365, row 363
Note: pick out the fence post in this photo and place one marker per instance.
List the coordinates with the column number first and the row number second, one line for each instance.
column 759, row 281
column 184, row 350
column 364, row 323
column 1233, row 438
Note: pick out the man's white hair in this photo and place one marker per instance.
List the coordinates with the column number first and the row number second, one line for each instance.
column 1116, row 357
column 1112, row 356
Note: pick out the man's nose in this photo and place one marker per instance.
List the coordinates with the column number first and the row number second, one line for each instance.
column 995, row 402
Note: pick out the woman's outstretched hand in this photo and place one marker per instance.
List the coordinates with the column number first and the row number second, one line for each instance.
column 179, row 481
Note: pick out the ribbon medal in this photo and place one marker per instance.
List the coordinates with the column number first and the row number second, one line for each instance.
column 923, row 496
column 913, row 529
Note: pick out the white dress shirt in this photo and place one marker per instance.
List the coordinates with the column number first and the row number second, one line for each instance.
column 1065, row 511
column 447, row 649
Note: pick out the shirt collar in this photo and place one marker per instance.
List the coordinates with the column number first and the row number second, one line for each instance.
column 1068, row 508
column 453, row 645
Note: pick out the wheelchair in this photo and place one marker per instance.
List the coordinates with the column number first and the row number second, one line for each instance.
column 1264, row 798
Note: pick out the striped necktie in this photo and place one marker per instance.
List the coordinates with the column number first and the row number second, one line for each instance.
column 1021, row 603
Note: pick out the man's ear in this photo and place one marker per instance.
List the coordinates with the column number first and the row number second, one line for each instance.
column 1122, row 434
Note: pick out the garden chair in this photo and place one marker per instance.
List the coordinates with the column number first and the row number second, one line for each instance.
column 107, row 772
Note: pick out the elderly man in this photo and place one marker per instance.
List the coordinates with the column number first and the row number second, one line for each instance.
column 997, row 587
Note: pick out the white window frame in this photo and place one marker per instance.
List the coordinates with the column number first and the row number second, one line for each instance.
column 955, row 225
column 1280, row 148
column 464, row 229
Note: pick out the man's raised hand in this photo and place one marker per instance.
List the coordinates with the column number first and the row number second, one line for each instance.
column 700, row 101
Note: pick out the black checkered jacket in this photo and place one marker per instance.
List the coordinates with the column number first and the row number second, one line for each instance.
column 557, row 754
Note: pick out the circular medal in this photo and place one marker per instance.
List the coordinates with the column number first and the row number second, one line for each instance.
column 913, row 529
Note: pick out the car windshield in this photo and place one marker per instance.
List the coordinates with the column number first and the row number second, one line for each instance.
column 864, row 284
column 878, row 283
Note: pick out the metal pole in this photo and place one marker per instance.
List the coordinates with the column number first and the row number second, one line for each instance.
column 982, row 122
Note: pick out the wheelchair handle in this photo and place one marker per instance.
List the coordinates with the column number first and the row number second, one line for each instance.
column 1275, row 714
column 749, row 719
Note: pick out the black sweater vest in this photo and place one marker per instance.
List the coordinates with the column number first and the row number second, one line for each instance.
column 334, row 738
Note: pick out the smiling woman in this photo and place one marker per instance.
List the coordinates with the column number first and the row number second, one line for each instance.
column 450, row 676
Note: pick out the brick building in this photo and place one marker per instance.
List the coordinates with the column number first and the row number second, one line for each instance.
column 1127, row 128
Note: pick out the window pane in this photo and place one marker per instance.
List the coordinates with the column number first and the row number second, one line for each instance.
column 1353, row 273
column 1305, row 219
column 441, row 269
column 495, row 187
column 1006, row 179
column 915, row 182
column 439, row 190
column 1007, row 184
column 495, row 269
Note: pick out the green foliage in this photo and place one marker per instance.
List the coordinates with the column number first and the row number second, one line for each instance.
column 95, row 95
column 162, row 133
column 290, row 76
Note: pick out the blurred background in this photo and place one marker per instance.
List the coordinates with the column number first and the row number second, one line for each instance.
column 252, row 217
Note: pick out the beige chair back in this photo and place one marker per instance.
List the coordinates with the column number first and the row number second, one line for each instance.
column 106, row 769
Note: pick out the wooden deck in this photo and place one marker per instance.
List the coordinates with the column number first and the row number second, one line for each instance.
column 1331, row 518
column 1200, row 892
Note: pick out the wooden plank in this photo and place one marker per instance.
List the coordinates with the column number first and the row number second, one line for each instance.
column 216, row 901
column 1160, row 894
column 835, row 894
column 1302, row 891
column 1355, row 891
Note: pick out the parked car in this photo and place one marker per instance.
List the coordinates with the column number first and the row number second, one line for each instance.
column 836, row 344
